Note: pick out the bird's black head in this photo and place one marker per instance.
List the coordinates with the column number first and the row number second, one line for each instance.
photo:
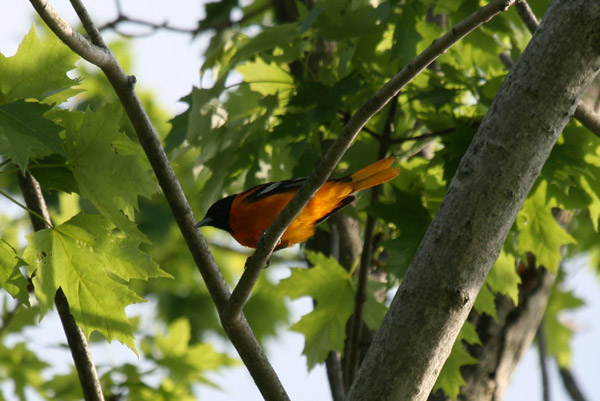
column 218, row 215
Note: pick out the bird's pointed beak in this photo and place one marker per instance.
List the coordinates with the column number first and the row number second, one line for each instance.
column 205, row 222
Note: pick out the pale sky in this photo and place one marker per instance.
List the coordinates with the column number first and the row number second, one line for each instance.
column 168, row 63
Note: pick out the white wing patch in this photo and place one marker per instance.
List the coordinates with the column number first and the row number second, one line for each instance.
column 277, row 187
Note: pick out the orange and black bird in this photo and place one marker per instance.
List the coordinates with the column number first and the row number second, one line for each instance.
column 247, row 215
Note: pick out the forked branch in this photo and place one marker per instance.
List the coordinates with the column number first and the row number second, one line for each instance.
column 97, row 53
column 335, row 153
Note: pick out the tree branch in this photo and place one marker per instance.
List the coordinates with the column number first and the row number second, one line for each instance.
column 238, row 331
column 345, row 117
column 541, row 345
column 88, row 377
column 356, row 322
column 527, row 15
column 86, row 20
column 583, row 113
column 482, row 201
column 80, row 45
column 334, row 374
column 571, row 385
column 329, row 161
column 506, row 338
column 152, row 25
column 217, row 26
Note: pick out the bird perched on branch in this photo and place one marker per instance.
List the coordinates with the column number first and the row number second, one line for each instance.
column 247, row 215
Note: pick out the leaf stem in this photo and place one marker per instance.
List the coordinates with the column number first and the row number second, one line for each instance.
column 28, row 210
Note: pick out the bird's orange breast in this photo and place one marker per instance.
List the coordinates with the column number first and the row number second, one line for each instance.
column 247, row 228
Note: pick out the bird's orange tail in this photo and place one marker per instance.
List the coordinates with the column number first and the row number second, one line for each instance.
column 374, row 174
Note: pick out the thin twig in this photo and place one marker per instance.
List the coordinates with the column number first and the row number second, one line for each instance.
column 345, row 117
column 152, row 25
column 88, row 377
column 334, row 376
column 527, row 15
column 327, row 164
column 588, row 118
column 428, row 135
column 541, row 343
column 354, row 335
column 217, row 26
column 238, row 330
column 79, row 44
column 87, row 23
column 571, row 385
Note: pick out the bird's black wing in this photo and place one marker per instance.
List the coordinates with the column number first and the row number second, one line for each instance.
column 261, row 191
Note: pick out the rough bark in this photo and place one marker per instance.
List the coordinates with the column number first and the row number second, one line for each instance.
column 533, row 105
column 504, row 340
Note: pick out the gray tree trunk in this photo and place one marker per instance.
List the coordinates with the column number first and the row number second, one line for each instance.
column 533, row 105
column 505, row 340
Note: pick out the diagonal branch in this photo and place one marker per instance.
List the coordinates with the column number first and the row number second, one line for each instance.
column 61, row 28
column 88, row 377
column 583, row 113
column 571, row 385
column 217, row 25
column 482, row 201
column 543, row 356
column 239, row 331
column 527, row 15
column 330, row 160
column 152, row 25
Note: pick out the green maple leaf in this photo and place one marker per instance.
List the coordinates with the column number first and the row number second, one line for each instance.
column 11, row 278
column 266, row 78
column 23, row 367
column 187, row 362
column 503, row 277
column 559, row 334
column 332, row 288
column 108, row 174
column 594, row 206
column 276, row 36
column 89, row 261
column 25, row 133
column 450, row 379
column 539, row 233
column 485, row 302
column 38, row 69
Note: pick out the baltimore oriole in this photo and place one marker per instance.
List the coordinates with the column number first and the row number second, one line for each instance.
column 247, row 215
